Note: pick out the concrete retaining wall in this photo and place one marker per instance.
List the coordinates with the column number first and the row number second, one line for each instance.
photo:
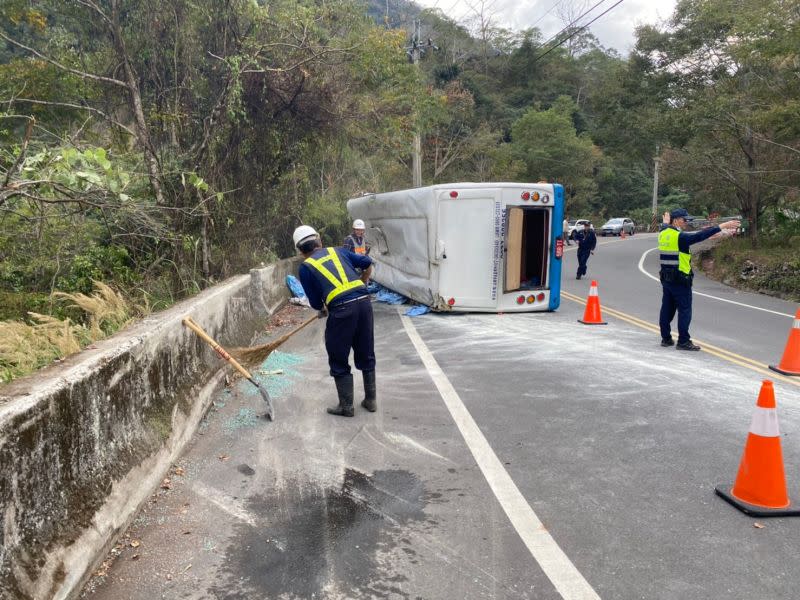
column 83, row 443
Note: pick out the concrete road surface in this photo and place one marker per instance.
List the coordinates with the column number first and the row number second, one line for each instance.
column 512, row 456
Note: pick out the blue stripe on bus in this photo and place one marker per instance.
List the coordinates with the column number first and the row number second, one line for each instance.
column 557, row 230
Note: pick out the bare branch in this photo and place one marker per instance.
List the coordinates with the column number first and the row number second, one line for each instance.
column 94, row 7
column 305, row 61
column 77, row 106
column 23, row 150
column 762, row 138
column 58, row 65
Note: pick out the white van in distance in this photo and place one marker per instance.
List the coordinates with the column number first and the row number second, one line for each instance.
column 470, row 247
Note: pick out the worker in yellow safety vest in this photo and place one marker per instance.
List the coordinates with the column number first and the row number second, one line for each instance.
column 676, row 274
column 330, row 280
column 355, row 242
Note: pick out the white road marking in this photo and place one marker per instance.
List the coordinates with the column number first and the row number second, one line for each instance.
column 654, row 278
column 564, row 576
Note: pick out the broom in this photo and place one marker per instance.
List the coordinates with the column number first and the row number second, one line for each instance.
column 189, row 322
column 258, row 354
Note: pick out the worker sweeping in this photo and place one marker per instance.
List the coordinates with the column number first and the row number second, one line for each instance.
column 330, row 281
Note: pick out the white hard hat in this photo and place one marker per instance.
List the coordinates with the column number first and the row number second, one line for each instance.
column 358, row 224
column 302, row 233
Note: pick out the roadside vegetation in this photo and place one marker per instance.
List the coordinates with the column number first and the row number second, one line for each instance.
column 160, row 147
column 773, row 268
column 28, row 345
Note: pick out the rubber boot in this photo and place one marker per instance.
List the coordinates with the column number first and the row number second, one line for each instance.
column 370, row 391
column 344, row 387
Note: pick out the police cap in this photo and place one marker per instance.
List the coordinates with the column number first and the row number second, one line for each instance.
column 679, row 213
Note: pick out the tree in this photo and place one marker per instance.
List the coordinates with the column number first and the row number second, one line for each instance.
column 550, row 148
column 726, row 67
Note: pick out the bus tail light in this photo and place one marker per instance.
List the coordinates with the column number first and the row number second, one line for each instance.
column 526, row 195
column 451, row 302
column 531, row 299
column 535, row 196
column 454, row 194
column 521, row 300
column 540, row 297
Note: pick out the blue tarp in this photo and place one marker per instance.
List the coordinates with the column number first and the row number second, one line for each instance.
column 295, row 286
column 383, row 294
column 389, row 297
column 386, row 295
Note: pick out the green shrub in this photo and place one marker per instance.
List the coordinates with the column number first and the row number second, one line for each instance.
column 99, row 263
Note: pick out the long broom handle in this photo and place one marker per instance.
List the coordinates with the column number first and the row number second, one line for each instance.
column 217, row 348
column 286, row 336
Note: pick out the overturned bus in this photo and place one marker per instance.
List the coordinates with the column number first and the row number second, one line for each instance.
column 472, row 247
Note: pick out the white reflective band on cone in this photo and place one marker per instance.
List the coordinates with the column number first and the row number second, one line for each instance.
column 796, row 324
column 593, row 291
column 765, row 422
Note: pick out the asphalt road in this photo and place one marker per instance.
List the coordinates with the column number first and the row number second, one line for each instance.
column 512, row 456
column 753, row 325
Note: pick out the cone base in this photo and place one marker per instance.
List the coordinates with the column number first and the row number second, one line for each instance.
column 782, row 372
column 588, row 323
column 724, row 492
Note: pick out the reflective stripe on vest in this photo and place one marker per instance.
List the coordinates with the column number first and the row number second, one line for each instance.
column 671, row 256
column 359, row 248
column 340, row 285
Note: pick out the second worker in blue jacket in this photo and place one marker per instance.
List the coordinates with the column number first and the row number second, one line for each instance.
column 330, row 281
column 676, row 275
column 587, row 242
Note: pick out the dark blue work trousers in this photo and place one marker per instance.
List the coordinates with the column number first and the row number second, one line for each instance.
column 349, row 326
column 676, row 296
column 583, row 258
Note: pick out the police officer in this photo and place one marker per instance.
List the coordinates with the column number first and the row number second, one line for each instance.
column 330, row 280
column 587, row 242
column 355, row 242
column 676, row 275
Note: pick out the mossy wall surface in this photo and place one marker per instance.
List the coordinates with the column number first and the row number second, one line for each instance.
column 84, row 442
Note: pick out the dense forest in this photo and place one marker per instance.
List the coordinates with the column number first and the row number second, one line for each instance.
column 159, row 147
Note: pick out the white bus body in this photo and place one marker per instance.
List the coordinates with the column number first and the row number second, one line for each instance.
column 471, row 247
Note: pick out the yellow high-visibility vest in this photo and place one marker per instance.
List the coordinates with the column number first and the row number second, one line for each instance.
column 340, row 284
column 670, row 252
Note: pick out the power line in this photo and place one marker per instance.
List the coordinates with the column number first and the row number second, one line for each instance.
column 552, row 8
column 573, row 34
column 572, row 24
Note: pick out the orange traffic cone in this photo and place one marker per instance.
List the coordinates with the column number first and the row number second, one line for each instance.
column 591, row 315
column 760, row 487
column 790, row 363
column 622, row 234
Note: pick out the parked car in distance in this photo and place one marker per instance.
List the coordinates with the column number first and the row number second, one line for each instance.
column 577, row 225
column 617, row 226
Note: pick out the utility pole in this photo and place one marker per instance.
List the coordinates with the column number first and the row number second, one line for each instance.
column 656, row 160
column 415, row 52
column 416, row 169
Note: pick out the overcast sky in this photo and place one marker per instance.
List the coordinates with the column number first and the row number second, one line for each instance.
column 614, row 30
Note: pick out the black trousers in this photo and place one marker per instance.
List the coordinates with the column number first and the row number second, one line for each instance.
column 350, row 326
column 676, row 297
column 583, row 258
